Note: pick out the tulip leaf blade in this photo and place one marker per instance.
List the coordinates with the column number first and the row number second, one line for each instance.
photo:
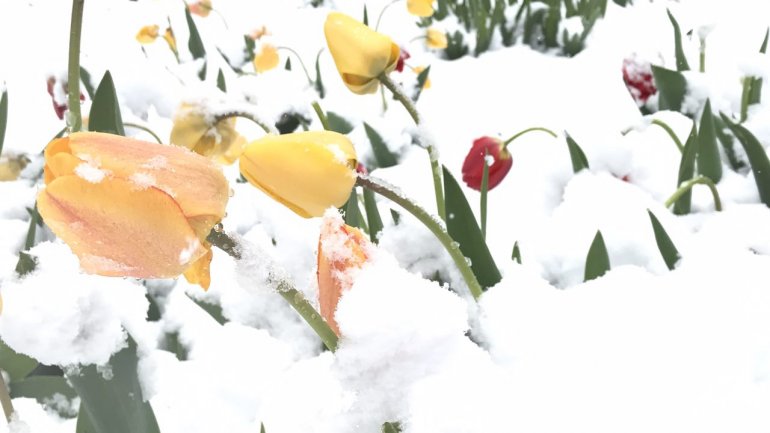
column 338, row 123
column 194, row 43
column 115, row 405
column 576, row 155
column 221, row 83
column 463, row 228
column 391, row 427
column 366, row 16
column 665, row 245
column 383, row 156
column 17, row 365
column 3, row 117
column 687, row 171
column 27, row 263
column 105, row 110
column 318, row 83
column 85, row 77
column 709, row 161
column 352, row 213
column 755, row 92
column 422, row 78
column 42, row 389
column 671, row 85
column 516, row 254
column 597, row 259
column 372, row 215
column 760, row 165
column 681, row 59
column 728, row 144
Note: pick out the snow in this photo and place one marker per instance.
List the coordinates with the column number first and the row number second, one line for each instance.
column 89, row 173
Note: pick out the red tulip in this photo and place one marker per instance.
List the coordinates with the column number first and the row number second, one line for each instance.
column 498, row 160
column 638, row 78
column 403, row 55
column 59, row 107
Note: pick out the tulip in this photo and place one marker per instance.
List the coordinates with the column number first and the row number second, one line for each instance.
column 196, row 130
column 266, row 59
column 202, row 8
column 342, row 249
column 306, row 171
column 420, row 8
column 638, row 79
column 473, row 167
column 131, row 208
column 147, row 34
column 170, row 39
column 58, row 91
column 436, row 39
column 402, row 57
column 360, row 53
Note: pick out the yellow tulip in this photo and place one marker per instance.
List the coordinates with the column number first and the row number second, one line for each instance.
column 266, row 59
column 306, row 171
column 341, row 250
column 194, row 129
column 147, row 34
column 420, row 8
column 131, row 208
column 435, row 39
column 168, row 35
column 360, row 53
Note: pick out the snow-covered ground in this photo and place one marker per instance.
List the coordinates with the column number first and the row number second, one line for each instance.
column 641, row 349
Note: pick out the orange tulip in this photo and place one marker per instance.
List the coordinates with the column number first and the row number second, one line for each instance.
column 341, row 250
column 132, row 208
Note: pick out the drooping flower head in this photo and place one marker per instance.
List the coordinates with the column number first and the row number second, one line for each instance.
column 637, row 76
column 266, row 58
column 360, row 53
column 202, row 8
column 420, row 8
column 436, row 39
column 205, row 135
column 148, row 34
column 497, row 158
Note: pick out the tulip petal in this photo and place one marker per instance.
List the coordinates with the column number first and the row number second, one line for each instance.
column 118, row 230
column 199, row 271
column 196, row 184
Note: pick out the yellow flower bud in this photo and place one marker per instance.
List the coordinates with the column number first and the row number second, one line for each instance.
column 147, row 34
column 266, row 59
column 306, row 171
column 168, row 35
column 360, row 53
column 195, row 130
column 436, row 39
column 420, row 8
column 128, row 207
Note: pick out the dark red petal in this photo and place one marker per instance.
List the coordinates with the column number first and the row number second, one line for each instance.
column 473, row 166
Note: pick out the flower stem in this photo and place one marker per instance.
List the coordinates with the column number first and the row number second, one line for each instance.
column 670, row 132
column 435, row 225
column 483, row 201
column 301, row 63
column 75, row 119
column 745, row 98
column 438, row 188
column 686, row 186
column 702, row 57
column 218, row 238
column 5, row 400
column 321, row 115
column 246, row 115
column 520, row 133
column 382, row 12
column 145, row 129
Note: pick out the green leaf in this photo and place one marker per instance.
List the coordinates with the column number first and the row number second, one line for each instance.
column 85, row 77
column 391, row 427
column 250, row 47
column 202, row 72
column 221, row 84
column 84, row 424
column 17, row 365
column 42, row 389
column 338, row 123
column 422, row 77
column 665, row 245
column 287, row 65
column 105, row 110
column 383, row 156
column 462, row 227
column 352, row 215
column 681, row 59
column 3, row 118
column 755, row 92
column 516, row 254
column 760, row 165
column 115, row 405
column 366, row 17
column 396, row 216
column 709, row 160
column 194, row 43
column 27, row 262
column 597, row 260
column 687, row 172
column 261, row 427
column 672, row 87
column 319, row 85
column 213, row 310
column 728, row 143
column 576, row 155
column 372, row 215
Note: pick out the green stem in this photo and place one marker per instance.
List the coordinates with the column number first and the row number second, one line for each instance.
column 301, row 63
column 384, row 101
column 5, row 400
column 75, row 119
column 399, row 94
column 321, row 115
column 382, row 12
column 686, row 186
column 670, row 132
column 520, row 133
column 246, row 115
column 702, row 58
column 483, row 200
column 745, row 98
column 145, row 129
column 433, row 224
column 218, row 238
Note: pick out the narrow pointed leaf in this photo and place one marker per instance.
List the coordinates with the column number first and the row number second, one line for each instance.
column 338, row 123
column 462, row 227
column 597, row 260
column 194, row 43
column 671, row 86
column 687, row 172
column 105, row 110
column 383, row 155
column 516, row 254
column 352, row 214
column 665, row 245
column 221, row 83
column 115, row 405
column 755, row 92
column 391, row 427
column 681, row 59
column 576, row 155
column 422, row 77
column 287, row 65
column 42, row 389
column 396, row 216
column 727, row 140
column 319, row 85
column 709, row 160
column 372, row 215
column 3, row 117
column 366, row 17
column 85, row 77
column 758, row 160
column 17, row 365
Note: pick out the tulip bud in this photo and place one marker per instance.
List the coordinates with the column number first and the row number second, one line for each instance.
column 266, row 59
column 638, row 79
column 420, row 8
column 306, row 171
column 436, row 39
column 131, row 208
column 497, row 157
column 360, row 53
column 342, row 249
column 402, row 57
column 194, row 129
column 147, row 34
column 202, row 8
